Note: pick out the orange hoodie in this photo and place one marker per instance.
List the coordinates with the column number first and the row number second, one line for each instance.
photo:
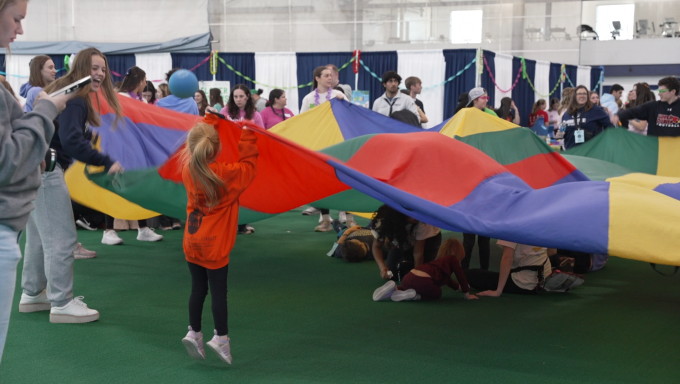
column 210, row 234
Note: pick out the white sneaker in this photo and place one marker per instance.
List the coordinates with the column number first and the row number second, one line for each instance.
column 221, row 348
column 34, row 303
column 74, row 312
column 111, row 238
column 147, row 234
column 407, row 295
column 193, row 342
column 310, row 211
column 83, row 223
column 321, row 217
column 81, row 253
column 385, row 291
column 325, row 226
column 342, row 216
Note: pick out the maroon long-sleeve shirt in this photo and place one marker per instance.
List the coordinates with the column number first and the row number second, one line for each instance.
column 441, row 269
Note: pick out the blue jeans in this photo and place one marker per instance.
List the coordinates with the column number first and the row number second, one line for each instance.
column 9, row 259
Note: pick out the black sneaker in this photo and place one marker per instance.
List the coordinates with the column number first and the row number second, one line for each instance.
column 83, row 223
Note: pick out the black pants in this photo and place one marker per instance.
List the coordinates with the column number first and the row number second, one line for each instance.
column 400, row 262
column 484, row 280
column 324, row 211
column 484, row 250
column 580, row 262
column 108, row 221
column 201, row 278
column 167, row 221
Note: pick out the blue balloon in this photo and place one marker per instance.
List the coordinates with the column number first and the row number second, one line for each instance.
column 183, row 84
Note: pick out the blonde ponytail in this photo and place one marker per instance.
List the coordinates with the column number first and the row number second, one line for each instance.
column 202, row 147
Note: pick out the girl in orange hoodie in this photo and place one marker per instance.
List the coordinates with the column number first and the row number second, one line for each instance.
column 213, row 189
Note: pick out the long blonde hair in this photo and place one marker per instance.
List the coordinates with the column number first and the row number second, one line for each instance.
column 202, row 147
column 82, row 67
column 451, row 247
column 4, row 4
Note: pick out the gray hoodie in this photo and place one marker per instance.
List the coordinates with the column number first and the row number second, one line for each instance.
column 24, row 140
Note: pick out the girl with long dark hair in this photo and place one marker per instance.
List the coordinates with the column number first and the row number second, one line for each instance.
column 216, row 99
column 133, row 84
column 201, row 102
column 149, row 93
column 240, row 106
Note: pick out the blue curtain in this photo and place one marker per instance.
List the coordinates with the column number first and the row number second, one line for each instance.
column 457, row 59
column 487, row 83
column 119, row 64
column 307, row 62
column 2, row 64
column 571, row 72
column 379, row 63
column 523, row 94
column 595, row 78
column 554, row 78
column 242, row 62
column 59, row 64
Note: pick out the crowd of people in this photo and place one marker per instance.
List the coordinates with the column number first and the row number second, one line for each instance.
column 411, row 255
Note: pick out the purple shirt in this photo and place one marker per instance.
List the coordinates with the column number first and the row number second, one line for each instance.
column 272, row 116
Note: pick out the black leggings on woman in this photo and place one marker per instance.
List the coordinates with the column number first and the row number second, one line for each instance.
column 484, row 244
column 201, row 279
column 108, row 221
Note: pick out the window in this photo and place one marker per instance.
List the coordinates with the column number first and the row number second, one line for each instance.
column 606, row 15
column 466, row 27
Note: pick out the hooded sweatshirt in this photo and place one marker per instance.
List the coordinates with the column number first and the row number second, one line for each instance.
column 29, row 92
column 173, row 102
column 23, row 145
column 663, row 119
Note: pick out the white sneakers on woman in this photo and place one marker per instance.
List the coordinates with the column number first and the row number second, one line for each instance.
column 389, row 291
column 72, row 313
column 143, row 234
column 36, row 303
column 193, row 342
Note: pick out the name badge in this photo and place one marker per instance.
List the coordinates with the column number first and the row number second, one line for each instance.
column 287, row 115
column 579, row 136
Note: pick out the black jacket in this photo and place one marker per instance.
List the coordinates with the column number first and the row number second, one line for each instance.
column 663, row 119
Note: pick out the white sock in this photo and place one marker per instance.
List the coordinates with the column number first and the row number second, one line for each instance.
column 350, row 217
column 326, row 217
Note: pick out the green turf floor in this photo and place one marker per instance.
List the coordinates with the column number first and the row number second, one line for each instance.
column 299, row 316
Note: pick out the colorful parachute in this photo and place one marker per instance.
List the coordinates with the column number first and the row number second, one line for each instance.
column 433, row 178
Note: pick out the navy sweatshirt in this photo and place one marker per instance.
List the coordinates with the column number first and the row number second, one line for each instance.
column 663, row 119
column 595, row 121
column 72, row 138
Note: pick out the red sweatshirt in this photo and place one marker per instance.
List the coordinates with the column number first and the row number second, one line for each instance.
column 210, row 234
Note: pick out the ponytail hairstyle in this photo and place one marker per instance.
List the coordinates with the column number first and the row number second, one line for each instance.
column 133, row 78
column 233, row 110
column 451, row 247
column 275, row 94
column 202, row 147
column 537, row 106
column 36, row 66
column 82, row 67
column 317, row 73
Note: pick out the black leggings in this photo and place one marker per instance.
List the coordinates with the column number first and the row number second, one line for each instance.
column 108, row 221
column 484, row 250
column 401, row 262
column 201, row 278
column 484, row 280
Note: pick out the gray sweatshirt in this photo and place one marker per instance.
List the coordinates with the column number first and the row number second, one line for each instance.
column 24, row 140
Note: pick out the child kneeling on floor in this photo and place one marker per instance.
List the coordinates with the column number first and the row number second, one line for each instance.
column 425, row 281
column 213, row 189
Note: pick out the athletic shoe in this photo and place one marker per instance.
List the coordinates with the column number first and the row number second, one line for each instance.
column 342, row 216
column 321, row 218
column 147, row 234
column 325, row 226
column 245, row 229
column 407, row 295
column 176, row 225
column 81, row 253
column 168, row 228
column 73, row 313
column 385, row 291
column 81, row 222
column 111, row 238
column 310, row 211
column 34, row 303
column 250, row 228
column 221, row 348
column 193, row 342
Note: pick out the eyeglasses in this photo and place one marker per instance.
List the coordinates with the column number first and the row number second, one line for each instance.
column 663, row 90
column 483, row 97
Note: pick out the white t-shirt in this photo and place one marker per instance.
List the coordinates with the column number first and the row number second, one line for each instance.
column 422, row 231
column 309, row 100
column 526, row 255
